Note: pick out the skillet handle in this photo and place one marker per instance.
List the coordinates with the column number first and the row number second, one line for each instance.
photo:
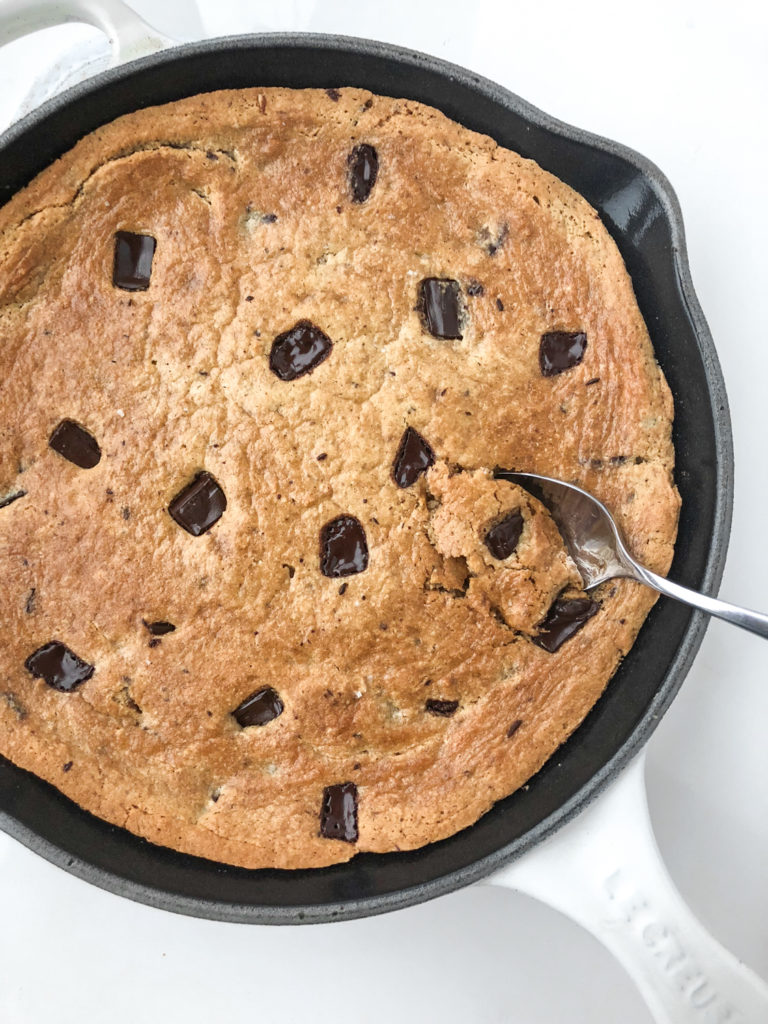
column 604, row 870
column 129, row 35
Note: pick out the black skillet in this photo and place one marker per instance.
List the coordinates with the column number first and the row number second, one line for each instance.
column 641, row 211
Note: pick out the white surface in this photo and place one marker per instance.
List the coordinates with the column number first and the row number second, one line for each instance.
column 688, row 86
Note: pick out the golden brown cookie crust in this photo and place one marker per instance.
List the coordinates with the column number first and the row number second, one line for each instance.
column 175, row 380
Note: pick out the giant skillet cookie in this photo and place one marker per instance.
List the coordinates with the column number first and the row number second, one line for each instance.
column 263, row 599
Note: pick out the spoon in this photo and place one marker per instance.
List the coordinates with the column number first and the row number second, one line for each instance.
column 596, row 546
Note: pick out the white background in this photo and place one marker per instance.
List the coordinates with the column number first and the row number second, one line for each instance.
column 686, row 84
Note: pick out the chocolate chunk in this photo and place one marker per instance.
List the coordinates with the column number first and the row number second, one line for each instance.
column 565, row 617
column 561, row 350
column 133, row 261
column 29, row 607
column 67, row 766
column 414, row 457
column 501, row 540
column 299, row 351
column 514, row 727
column 363, row 164
column 499, row 305
column 444, row 708
column 58, row 666
column 258, row 709
column 475, row 288
column 199, row 505
column 343, row 547
column 333, row 94
column 76, row 444
column 440, row 307
column 10, row 498
column 338, row 814
column 159, row 628
column 124, row 696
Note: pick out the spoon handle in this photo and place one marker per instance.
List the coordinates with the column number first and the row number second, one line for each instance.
column 755, row 622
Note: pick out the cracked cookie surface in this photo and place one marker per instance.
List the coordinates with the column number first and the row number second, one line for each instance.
column 335, row 337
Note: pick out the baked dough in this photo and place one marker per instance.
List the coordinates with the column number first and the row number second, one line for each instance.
column 378, row 687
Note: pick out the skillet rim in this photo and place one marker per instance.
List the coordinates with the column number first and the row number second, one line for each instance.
column 350, row 908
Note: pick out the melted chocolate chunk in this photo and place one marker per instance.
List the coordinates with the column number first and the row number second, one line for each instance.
column 299, row 351
column 58, row 666
column 10, row 498
column 440, row 307
column 565, row 617
column 258, row 709
column 343, row 547
column 501, row 540
column 133, row 261
column 159, row 628
column 363, row 164
column 338, row 814
column 561, row 350
column 414, row 457
column 199, row 505
column 76, row 444
column 444, row 708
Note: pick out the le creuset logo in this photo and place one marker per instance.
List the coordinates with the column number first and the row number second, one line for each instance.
column 667, row 952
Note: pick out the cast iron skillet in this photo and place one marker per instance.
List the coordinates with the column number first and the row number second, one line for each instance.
column 640, row 210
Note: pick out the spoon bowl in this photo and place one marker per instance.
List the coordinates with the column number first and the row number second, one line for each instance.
column 595, row 544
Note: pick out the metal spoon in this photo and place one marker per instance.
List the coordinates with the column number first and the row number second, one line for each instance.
column 596, row 546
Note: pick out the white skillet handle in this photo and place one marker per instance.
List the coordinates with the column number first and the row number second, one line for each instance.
column 604, row 870
column 129, row 35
